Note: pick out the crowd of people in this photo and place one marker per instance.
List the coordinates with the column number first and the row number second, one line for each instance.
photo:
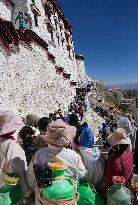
column 27, row 146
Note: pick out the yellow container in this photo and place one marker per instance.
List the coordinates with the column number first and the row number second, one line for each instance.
column 58, row 166
column 11, row 180
column 58, row 169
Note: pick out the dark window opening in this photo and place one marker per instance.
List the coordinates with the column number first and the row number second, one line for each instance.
column 47, row 13
column 67, row 39
column 61, row 34
column 63, row 41
column 61, row 29
column 69, row 50
column 49, row 17
column 33, row 1
column 52, row 36
column 59, row 18
column 36, row 20
column 73, row 53
column 58, row 41
column 70, row 53
column 56, row 24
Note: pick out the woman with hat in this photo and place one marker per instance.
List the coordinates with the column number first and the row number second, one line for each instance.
column 119, row 162
column 59, row 137
column 12, row 156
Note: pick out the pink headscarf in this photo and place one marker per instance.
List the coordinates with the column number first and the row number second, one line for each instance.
column 59, row 133
column 9, row 122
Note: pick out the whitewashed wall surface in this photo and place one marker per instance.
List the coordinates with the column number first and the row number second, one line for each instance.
column 29, row 81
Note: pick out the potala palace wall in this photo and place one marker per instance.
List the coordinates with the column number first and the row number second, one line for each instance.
column 38, row 65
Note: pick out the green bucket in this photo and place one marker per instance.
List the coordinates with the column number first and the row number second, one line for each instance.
column 56, row 173
column 10, row 195
column 118, row 194
column 88, row 196
column 60, row 189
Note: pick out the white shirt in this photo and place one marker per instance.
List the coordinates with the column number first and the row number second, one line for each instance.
column 13, row 160
column 55, row 154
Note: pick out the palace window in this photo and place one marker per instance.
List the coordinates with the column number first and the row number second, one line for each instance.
column 62, row 40
column 58, row 41
column 36, row 20
column 52, row 36
column 47, row 12
column 58, row 37
column 56, row 24
column 61, row 28
column 69, row 50
column 50, row 30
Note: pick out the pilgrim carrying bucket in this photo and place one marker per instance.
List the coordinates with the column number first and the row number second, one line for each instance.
column 52, row 195
column 10, row 193
column 63, row 190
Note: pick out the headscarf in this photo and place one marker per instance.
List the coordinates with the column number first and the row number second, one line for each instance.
column 10, row 123
column 32, row 120
column 59, row 133
column 125, row 124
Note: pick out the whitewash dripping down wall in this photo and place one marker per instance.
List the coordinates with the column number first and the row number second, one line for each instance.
column 29, row 82
column 5, row 11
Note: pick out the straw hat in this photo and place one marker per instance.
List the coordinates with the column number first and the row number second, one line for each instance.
column 118, row 137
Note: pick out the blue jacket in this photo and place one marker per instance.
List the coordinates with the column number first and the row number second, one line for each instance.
column 87, row 137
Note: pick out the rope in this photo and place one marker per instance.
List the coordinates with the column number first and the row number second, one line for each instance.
column 46, row 201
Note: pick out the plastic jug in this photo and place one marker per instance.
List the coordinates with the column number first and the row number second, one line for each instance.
column 58, row 169
column 118, row 194
column 88, row 196
column 134, row 189
column 10, row 193
column 62, row 188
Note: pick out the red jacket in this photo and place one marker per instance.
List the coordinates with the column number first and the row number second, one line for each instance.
column 117, row 165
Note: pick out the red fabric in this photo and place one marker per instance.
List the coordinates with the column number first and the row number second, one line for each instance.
column 81, row 111
column 8, row 136
column 117, row 165
column 119, row 179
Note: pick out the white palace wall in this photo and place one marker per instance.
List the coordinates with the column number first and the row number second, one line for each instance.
column 29, row 82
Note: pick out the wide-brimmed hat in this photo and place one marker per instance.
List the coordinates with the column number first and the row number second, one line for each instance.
column 10, row 122
column 59, row 133
column 118, row 137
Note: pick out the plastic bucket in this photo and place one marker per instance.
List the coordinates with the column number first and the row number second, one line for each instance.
column 58, row 169
column 60, row 189
column 88, row 195
column 10, row 195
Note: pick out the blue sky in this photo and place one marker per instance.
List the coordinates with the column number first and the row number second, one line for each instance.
column 106, row 32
